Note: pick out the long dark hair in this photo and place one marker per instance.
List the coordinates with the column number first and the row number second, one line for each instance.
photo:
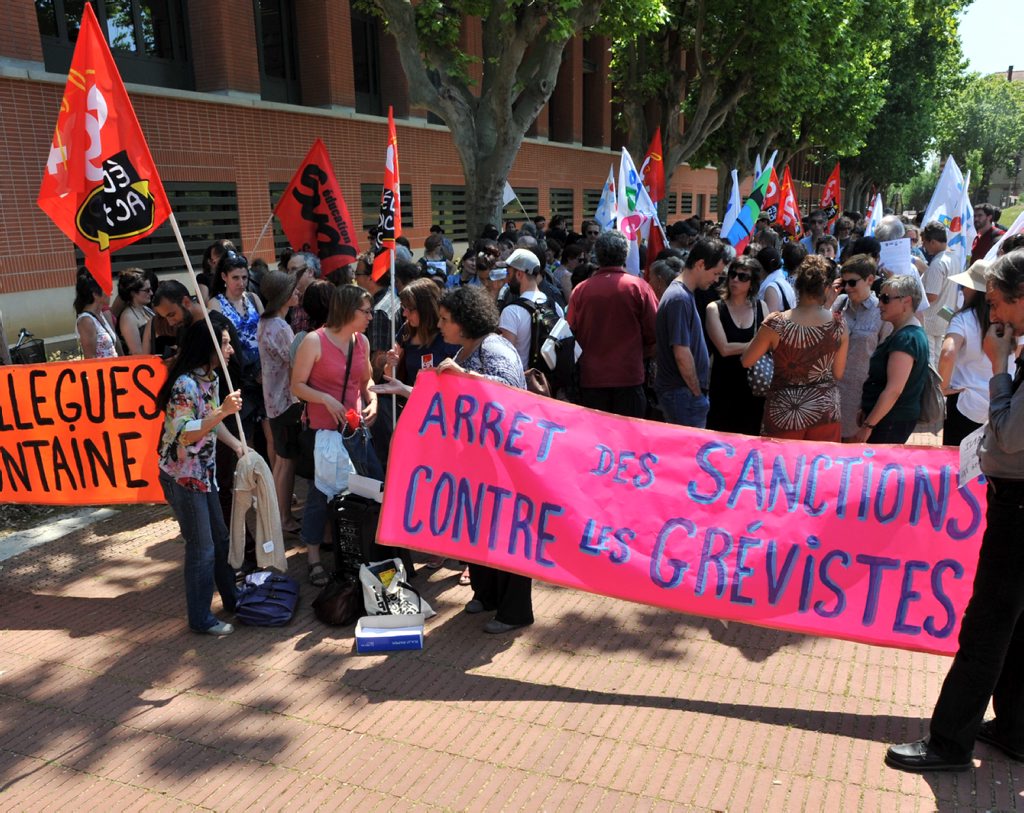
column 86, row 291
column 979, row 306
column 424, row 297
column 196, row 350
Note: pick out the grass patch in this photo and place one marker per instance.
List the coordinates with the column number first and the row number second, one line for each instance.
column 1010, row 213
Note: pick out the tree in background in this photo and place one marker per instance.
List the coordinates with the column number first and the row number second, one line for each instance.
column 523, row 43
column 983, row 125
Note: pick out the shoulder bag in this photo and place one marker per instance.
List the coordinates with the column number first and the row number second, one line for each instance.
column 759, row 376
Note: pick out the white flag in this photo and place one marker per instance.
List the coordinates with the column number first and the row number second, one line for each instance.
column 1016, row 228
column 877, row 213
column 508, row 195
column 732, row 209
column 757, row 172
column 947, row 199
column 605, row 214
column 633, row 208
column 962, row 227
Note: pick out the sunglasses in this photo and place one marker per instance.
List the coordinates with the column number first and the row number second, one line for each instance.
column 885, row 299
column 740, row 276
column 851, row 283
column 232, row 259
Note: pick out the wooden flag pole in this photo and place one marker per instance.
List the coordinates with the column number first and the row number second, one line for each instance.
column 209, row 324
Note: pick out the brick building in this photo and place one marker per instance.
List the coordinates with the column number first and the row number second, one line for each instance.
column 228, row 123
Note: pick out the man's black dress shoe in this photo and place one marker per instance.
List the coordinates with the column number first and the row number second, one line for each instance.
column 918, row 757
column 989, row 734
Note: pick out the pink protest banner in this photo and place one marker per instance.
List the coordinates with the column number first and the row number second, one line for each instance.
column 871, row 544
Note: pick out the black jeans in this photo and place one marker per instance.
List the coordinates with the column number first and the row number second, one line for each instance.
column 956, row 426
column 890, row 431
column 628, row 401
column 990, row 660
column 508, row 593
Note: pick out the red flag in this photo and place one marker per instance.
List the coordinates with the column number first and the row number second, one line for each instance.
column 655, row 245
column 101, row 187
column 390, row 224
column 789, row 210
column 831, row 200
column 652, row 170
column 313, row 213
column 772, row 196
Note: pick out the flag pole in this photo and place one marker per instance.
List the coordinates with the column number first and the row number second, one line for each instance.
column 394, row 302
column 209, row 324
column 259, row 239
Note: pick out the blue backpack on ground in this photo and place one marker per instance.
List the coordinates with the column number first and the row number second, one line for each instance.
column 267, row 600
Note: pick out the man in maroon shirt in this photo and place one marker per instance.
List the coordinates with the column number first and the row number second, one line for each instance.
column 612, row 315
column 986, row 222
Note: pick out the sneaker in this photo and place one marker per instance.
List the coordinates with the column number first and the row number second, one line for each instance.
column 495, row 627
column 220, row 629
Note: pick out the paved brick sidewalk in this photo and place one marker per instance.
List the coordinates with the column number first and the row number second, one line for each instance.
column 108, row 702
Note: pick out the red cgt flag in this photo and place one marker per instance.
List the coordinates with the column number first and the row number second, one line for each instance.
column 789, row 210
column 831, row 200
column 772, row 197
column 652, row 169
column 101, row 187
column 313, row 213
column 390, row 225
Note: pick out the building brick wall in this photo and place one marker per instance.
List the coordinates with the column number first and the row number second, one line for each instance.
column 19, row 33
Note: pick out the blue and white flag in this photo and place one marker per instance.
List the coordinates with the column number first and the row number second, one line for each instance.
column 757, row 172
column 605, row 214
column 634, row 209
column 960, row 232
column 877, row 213
column 947, row 199
column 732, row 209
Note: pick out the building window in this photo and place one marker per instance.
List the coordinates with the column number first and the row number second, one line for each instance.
column 591, row 197
column 714, row 206
column 147, row 38
column 366, row 63
column 205, row 212
column 671, row 205
column 275, row 35
column 563, row 202
column 448, row 210
column 686, row 203
column 369, row 199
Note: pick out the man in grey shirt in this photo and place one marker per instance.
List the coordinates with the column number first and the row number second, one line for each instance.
column 990, row 660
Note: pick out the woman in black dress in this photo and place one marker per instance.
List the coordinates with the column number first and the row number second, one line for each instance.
column 732, row 322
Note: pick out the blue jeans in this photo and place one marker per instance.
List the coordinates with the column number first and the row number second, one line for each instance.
column 314, row 517
column 202, row 526
column 684, row 408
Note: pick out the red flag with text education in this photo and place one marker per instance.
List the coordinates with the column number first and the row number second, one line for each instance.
column 100, row 187
column 831, row 200
column 313, row 213
column 390, row 224
column 652, row 169
column 789, row 210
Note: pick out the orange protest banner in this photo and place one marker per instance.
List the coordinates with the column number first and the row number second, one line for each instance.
column 81, row 433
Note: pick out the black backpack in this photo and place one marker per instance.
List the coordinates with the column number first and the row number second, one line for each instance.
column 543, row 318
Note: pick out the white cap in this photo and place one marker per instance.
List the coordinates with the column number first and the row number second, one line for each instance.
column 523, row 260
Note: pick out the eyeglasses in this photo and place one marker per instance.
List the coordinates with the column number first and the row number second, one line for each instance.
column 885, row 299
column 365, row 311
column 851, row 282
column 592, row 233
column 362, row 273
column 232, row 259
column 298, row 271
column 740, row 276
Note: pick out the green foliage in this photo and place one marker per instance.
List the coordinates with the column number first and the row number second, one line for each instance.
column 984, row 124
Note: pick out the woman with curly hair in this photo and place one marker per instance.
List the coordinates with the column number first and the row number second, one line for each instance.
column 809, row 344
column 469, row 319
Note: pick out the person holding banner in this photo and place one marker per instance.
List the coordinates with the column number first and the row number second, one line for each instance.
column 188, row 471
column 332, row 374
column 989, row 663
column 890, row 404
column 469, row 319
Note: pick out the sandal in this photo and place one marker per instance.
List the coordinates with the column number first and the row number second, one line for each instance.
column 464, row 578
column 318, row 577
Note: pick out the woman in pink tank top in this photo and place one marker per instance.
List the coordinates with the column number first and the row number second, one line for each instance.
column 318, row 377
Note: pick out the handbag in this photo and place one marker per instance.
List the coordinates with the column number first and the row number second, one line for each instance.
column 933, row 403
column 761, row 373
column 386, row 592
column 267, row 599
column 339, row 603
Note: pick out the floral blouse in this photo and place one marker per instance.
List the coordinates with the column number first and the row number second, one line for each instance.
column 245, row 323
column 275, row 340
column 496, row 358
column 194, row 396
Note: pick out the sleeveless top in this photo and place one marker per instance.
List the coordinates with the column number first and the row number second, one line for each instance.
column 245, row 323
column 328, row 375
column 105, row 340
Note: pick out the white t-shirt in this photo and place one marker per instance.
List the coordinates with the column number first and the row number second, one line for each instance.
column 972, row 370
column 936, row 282
column 778, row 280
column 517, row 321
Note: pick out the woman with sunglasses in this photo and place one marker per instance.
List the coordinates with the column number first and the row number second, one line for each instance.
column 858, row 306
column 809, row 344
column 134, row 291
column 332, row 374
column 732, row 322
column 890, row 404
